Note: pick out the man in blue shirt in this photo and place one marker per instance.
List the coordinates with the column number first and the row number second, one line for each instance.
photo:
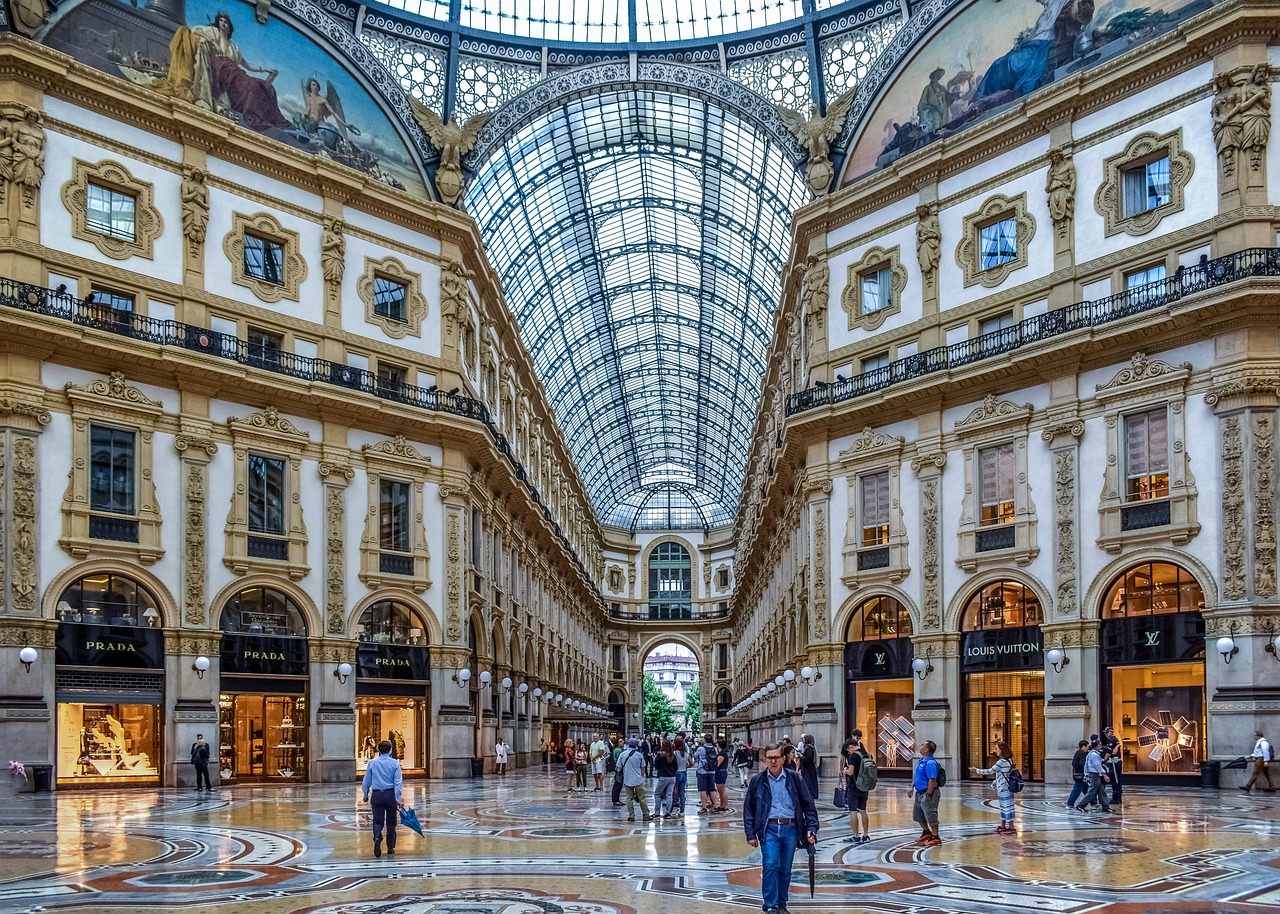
column 924, row 787
column 384, row 779
column 776, row 805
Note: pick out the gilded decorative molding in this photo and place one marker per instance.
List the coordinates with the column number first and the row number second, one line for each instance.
column 931, row 526
column 453, row 578
column 1066, row 552
column 335, row 570
column 1144, row 148
column 24, row 632
column 1264, row 505
column 108, row 175
column 1142, row 368
column 1233, row 510
column 819, row 611
column 195, row 564
column 187, row 644
column 23, row 586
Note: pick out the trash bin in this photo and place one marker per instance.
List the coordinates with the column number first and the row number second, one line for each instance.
column 1209, row 774
column 477, row 767
column 41, row 778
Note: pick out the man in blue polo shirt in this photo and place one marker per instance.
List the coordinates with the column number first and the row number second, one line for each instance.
column 385, row 780
column 924, row 787
column 777, row 805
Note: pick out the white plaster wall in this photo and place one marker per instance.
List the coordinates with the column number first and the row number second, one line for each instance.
column 1200, row 194
column 55, row 219
column 1133, row 104
column 57, row 109
column 392, row 231
column 217, row 267
column 992, row 168
column 874, row 221
column 353, row 309
column 221, row 486
column 838, row 332
column 263, row 184
column 53, row 448
column 1273, row 148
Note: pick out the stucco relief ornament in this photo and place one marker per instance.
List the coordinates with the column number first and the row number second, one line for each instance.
column 1060, row 185
column 453, row 140
column 6, row 158
column 29, row 15
column 816, row 133
column 453, row 293
column 1255, row 115
column 333, row 255
column 813, row 298
column 928, row 240
column 28, row 154
column 195, row 207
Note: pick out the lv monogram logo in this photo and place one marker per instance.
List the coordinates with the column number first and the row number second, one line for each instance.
column 880, row 659
column 1153, row 639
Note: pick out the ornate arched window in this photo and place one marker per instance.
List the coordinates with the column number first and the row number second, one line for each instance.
column 1152, row 588
column 877, row 619
column 670, row 581
column 391, row 622
column 1001, row 604
column 106, row 598
column 263, row 611
column 724, row 701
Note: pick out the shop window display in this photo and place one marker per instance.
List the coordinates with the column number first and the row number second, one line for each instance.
column 881, row 693
column 1008, row 707
column 884, row 708
column 262, row 736
column 389, row 622
column 1160, row 714
column 399, row 720
column 1150, row 589
column 102, row 742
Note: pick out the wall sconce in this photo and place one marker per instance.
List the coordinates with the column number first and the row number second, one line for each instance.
column 1273, row 647
column 771, row 687
column 462, row 677
column 1057, row 659
column 779, row 681
column 922, row 666
column 28, row 656
column 810, row 675
column 1227, row 644
column 343, row 672
column 506, row 684
column 485, row 678
column 537, row 695
column 789, row 677
column 200, row 666
column 524, row 687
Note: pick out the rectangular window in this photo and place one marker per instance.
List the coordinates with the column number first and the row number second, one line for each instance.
column 390, row 378
column 874, row 362
column 266, row 495
column 877, row 289
column 996, row 471
column 264, row 346
column 264, row 259
column 393, row 513
column 388, row 299
column 722, row 658
column 875, row 508
column 111, row 213
column 116, row 307
column 1139, row 278
column 996, row 324
column 1146, row 187
column 616, row 661
column 998, row 242
column 722, row 579
column 1146, row 443
column 112, row 462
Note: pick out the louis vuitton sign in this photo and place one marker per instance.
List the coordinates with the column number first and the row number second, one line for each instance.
column 888, row 659
column 1156, row 638
column 992, row 650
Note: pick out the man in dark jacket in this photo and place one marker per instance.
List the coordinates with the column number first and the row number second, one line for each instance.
column 200, row 761
column 777, row 805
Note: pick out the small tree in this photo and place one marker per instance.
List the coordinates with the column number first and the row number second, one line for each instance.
column 659, row 712
column 693, row 709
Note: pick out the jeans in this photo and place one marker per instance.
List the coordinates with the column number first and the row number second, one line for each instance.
column 1077, row 791
column 581, row 772
column 1115, row 783
column 682, row 780
column 1095, row 793
column 634, row 794
column 385, row 811
column 202, row 776
column 665, row 796
column 777, row 850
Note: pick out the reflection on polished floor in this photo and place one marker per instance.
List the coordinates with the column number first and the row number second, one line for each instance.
column 520, row 845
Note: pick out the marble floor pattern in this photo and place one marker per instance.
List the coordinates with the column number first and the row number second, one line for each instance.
column 521, row 845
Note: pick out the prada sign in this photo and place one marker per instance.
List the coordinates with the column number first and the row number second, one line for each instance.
column 1001, row 649
column 264, row 655
column 128, row 646
column 393, row 661
column 1159, row 638
column 889, row 659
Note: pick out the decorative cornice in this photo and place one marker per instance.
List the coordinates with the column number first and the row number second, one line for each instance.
column 1254, row 384
column 10, row 406
column 869, row 441
column 338, row 471
column 936, row 460
column 184, row 442
column 115, row 388
column 1141, row 368
column 396, row 447
column 1074, row 428
column 993, row 409
column 269, row 420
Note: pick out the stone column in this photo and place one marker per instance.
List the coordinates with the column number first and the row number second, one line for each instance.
column 1070, row 692
column 1244, row 694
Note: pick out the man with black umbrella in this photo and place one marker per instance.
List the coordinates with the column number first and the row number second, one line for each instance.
column 777, row 806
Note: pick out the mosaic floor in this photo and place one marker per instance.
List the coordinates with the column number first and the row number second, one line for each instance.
column 520, row 845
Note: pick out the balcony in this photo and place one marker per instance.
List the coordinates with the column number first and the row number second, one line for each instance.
column 667, row 612
column 1080, row 316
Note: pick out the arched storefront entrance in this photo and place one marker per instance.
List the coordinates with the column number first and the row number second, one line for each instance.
column 110, row 682
column 879, row 688
column 1151, row 670
column 262, row 709
column 393, row 681
column 1002, row 676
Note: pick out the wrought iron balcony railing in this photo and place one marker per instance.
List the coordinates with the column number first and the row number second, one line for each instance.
column 663, row 612
column 1186, row 281
column 100, row 316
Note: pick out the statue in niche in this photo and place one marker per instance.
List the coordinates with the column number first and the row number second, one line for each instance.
column 333, row 252
column 928, row 240
column 1060, row 185
column 454, row 140
column 816, row 133
column 1228, row 127
column 195, row 205
column 28, row 154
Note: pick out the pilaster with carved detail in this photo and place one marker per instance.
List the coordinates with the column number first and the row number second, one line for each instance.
column 1063, row 437
column 195, row 450
column 928, row 468
column 335, row 477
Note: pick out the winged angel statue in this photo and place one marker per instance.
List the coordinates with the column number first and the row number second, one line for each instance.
column 454, row 140
column 816, row 134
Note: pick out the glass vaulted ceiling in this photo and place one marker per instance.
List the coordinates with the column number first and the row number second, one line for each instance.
column 640, row 235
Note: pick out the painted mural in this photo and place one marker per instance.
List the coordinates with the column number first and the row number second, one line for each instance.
column 264, row 75
column 993, row 53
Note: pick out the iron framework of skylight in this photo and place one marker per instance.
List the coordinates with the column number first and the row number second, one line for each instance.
column 640, row 236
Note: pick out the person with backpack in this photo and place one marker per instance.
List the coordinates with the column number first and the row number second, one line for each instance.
column 1077, row 773
column 707, row 759
column 861, row 776
column 631, row 767
column 200, row 761
column 808, row 766
column 926, row 788
column 741, row 762
column 1263, row 756
column 1008, row 781
column 1095, row 776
